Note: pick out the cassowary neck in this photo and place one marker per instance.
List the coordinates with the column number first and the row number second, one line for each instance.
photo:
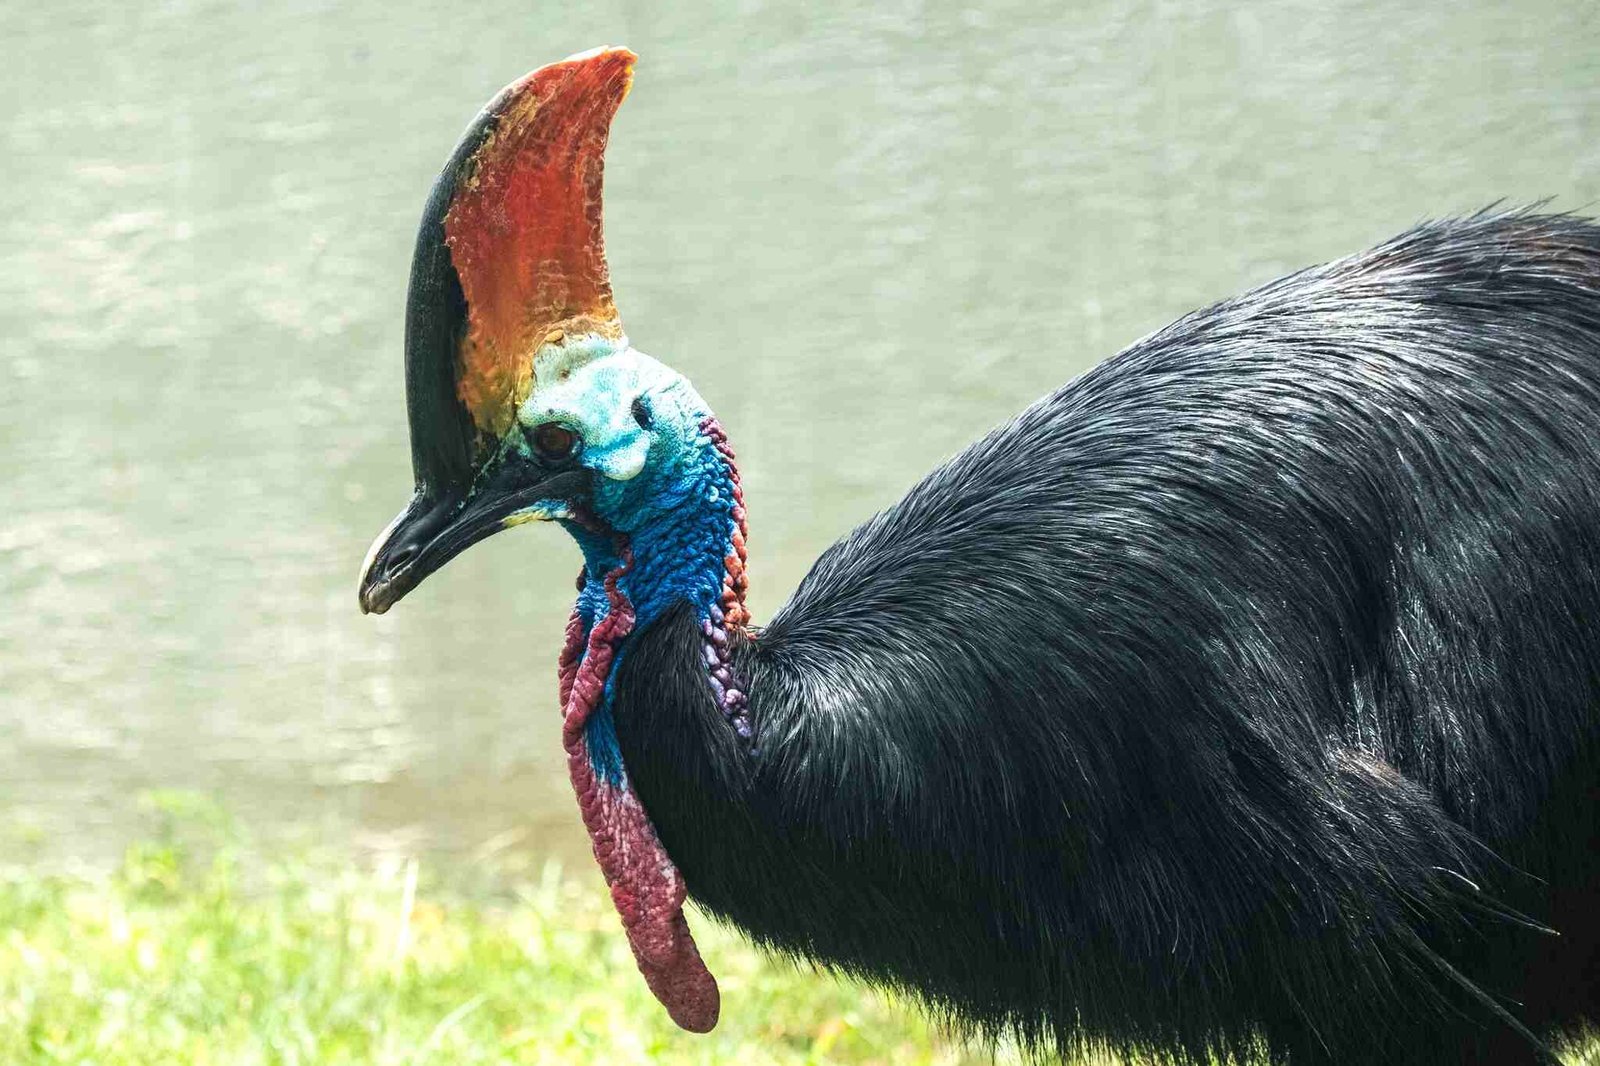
column 683, row 542
column 686, row 548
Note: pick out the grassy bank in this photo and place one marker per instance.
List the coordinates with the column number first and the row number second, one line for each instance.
column 190, row 955
column 176, row 960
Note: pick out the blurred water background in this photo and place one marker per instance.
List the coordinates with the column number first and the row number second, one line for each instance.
column 866, row 231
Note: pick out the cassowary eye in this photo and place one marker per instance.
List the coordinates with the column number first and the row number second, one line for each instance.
column 552, row 442
column 641, row 413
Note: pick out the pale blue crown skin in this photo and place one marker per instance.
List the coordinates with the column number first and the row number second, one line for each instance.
column 666, row 488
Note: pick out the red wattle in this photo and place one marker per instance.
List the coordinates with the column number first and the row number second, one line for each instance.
column 646, row 888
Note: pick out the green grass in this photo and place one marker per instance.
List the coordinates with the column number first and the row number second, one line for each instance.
column 177, row 960
column 191, row 954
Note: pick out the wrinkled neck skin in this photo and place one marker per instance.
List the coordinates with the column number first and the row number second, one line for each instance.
column 673, row 535
column 670, row 537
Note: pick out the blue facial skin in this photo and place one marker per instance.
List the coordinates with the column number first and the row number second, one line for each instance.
column 661, row 484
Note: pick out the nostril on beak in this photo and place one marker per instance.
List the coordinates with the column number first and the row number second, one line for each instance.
column 402, row 558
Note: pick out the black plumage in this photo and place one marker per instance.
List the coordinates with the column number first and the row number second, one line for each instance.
column 1240, row 696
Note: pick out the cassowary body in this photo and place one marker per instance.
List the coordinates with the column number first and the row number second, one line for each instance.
column 1241, row 697
column 1196, row 700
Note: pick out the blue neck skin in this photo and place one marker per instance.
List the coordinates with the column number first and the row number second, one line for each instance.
column 676, row 517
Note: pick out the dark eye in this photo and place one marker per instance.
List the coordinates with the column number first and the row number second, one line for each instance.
column 552, row 442
column 642, row 414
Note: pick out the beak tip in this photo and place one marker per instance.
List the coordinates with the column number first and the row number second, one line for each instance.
column 376, row 597
column 375, row 586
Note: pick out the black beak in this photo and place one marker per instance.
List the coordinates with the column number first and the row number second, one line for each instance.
column 437, row 526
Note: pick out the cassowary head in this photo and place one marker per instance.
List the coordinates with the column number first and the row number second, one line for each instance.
column 526, row 400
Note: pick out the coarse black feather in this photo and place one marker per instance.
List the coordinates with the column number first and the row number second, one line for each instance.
column 1240, row 697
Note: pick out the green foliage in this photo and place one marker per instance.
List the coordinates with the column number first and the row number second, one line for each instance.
column 185, row 955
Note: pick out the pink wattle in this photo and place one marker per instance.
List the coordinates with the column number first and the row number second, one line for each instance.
column 646, row 887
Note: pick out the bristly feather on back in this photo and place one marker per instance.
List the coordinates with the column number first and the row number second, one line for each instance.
column 1238, row 697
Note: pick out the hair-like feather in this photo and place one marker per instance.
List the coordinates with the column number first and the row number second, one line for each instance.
column 1241, row 696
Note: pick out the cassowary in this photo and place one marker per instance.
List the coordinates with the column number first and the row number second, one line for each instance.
column 1236, row 701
